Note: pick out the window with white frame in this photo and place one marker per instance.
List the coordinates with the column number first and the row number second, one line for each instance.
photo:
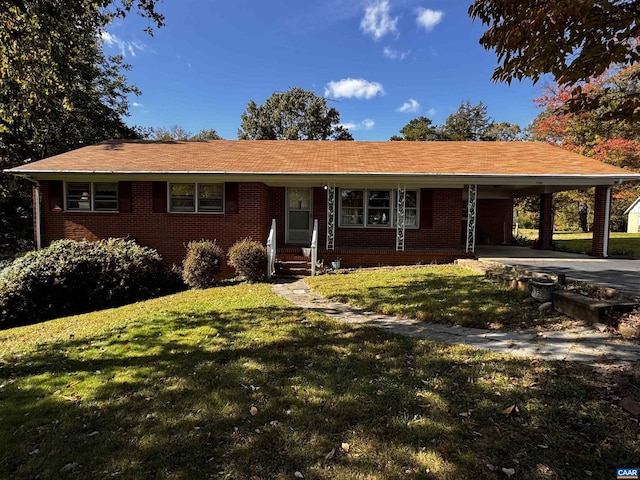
column 379, row 208
column 92, row 196
column 376, row 208
column 196, row 197
column 352, row 208
column 410, row 209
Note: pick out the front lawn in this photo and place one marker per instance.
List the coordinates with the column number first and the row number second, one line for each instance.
column 620, row 243
column 236, row 383
column 444, row 294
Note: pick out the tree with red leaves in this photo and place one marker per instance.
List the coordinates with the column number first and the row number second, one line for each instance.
column 595, row 132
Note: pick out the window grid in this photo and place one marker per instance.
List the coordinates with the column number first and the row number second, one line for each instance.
column 196, row 197
column 91, row 196
column 376, row 208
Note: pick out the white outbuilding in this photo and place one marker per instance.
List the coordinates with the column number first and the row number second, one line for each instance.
column 633, row 216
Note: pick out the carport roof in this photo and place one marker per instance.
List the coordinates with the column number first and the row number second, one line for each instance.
column 332, row 158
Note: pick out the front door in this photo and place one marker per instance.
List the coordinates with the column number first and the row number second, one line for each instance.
column 299, row 216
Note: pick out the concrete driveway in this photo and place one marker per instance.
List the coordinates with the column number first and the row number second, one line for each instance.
column 623, row 275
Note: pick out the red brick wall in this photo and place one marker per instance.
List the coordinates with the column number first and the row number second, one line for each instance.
column 166, row 232
column 494, row 221
column 257, row 205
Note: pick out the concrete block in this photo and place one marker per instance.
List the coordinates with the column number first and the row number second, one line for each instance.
column 585, row 308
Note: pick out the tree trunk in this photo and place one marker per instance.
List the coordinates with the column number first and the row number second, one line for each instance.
column 583, row 215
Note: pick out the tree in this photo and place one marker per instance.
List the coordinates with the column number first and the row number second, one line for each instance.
column 58, row 90
column 296, row 114
column 419, row 129
column 594, row 133
column 503, row 132
column 575, row 41
column 469, row 123
column 177, row 133
column 204, row 135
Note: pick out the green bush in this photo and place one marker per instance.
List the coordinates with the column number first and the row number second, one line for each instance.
column 249, row 258
column 202, row 263
column 72, row 277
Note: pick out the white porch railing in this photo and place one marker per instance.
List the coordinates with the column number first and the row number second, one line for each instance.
column 314, row 248
column 271, row 250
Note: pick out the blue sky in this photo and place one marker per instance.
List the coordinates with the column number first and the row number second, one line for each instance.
column 380, row 62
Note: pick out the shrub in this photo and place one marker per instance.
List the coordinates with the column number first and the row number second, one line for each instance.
column 249, row 258
column 72, row 277
column 202, row 263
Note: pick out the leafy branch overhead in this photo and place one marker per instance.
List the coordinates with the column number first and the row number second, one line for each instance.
column 574, row 41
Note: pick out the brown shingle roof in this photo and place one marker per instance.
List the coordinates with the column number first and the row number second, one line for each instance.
column 289, row 157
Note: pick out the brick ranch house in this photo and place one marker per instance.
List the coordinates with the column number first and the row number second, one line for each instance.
column 375, row 202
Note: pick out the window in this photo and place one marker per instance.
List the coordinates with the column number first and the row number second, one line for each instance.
column 87, row 196
column 351, row 207
column 182, row 197
column 379, row 208
column 410, row 209
column 210, row 197
column 376, row 208
column 105, row 197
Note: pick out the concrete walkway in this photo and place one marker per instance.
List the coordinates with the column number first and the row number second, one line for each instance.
column 580, row 345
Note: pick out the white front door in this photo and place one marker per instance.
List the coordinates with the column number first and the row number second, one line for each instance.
column 299, row 205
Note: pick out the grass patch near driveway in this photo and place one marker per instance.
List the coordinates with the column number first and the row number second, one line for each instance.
column 621, row 244
column 234, row 382
column 444, row 294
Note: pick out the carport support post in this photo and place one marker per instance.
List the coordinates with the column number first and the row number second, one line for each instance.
column 545, row 231
column 601, row 216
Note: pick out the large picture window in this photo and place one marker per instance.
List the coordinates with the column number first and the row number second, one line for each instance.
column 376, row 208
column 88, row 196
column 196, row 197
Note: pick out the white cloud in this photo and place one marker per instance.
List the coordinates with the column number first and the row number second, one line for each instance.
column 125, row 47
column 366, row 124
column 136, row 104
column 395, row 54
column 412, row 106
column 353, row 88
column 431, row 112
column 429, row 18
column 377, row 22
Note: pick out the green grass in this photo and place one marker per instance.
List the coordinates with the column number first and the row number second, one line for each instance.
column 236, row 383
column 444, row 294
column 620, row 243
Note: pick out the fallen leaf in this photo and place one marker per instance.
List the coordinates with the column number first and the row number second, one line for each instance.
column 509, row 471
column 330, row 455
column 509, row 410
column 345, row 447
column 253, row 411
column 298, row 475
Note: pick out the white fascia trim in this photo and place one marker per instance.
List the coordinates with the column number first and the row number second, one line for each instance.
column 428, row 178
